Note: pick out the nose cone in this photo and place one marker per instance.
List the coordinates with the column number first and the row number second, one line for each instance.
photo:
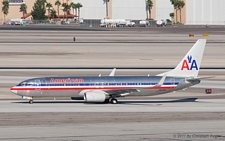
column 13, row 90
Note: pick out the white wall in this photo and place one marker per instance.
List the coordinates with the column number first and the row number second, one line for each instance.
column 92, row 9
column 124, row 9
column 121, row 9
column 203, row 12
column 163, row 9
column 129, row 9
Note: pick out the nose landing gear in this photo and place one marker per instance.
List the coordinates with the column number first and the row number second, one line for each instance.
column 29, row 98
column 30, row 101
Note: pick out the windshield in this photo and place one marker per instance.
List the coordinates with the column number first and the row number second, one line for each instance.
column 26, row 83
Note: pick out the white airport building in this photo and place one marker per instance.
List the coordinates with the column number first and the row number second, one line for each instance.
column 200, row 12
column 125, row 9
column 195, row 12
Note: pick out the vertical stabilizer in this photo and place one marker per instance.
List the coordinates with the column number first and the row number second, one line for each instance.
column 190, row 64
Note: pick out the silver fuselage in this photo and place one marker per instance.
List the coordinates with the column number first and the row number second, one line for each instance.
column 72, row 86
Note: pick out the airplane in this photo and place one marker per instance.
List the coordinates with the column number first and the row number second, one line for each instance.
column 106, row 89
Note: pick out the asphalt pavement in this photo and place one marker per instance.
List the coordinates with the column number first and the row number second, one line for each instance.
column 184, row 115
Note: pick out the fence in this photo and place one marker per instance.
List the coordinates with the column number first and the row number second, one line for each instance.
column 86, row 23
column 96, row 23
column 39, row 22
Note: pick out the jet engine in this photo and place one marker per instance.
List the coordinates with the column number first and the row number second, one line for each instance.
column 94, row 96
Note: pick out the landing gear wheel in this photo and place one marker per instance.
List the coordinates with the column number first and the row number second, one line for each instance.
column 31, row 101
column 114, row 101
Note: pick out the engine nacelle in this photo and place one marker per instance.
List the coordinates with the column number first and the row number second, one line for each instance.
column 94, row 96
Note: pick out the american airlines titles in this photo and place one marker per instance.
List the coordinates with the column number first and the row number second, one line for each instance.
column 66, row 80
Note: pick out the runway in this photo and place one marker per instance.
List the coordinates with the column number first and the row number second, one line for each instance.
column 162, row 30
column 138, row 105
column 132, row 36
column 128, row 120
column 189, row 114
column 11, row 77
column 104, row 55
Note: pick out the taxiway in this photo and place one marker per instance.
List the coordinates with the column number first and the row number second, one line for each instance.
column 184, row 115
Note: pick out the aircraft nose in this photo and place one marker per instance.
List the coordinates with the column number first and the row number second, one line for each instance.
column 13, row 90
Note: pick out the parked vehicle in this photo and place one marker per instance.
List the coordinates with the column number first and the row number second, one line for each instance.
column 67, row 22
column 18, row 21
column 161, row 23
column 144, row 23
column 81, row 21
column 116, row 22
column 130, row 24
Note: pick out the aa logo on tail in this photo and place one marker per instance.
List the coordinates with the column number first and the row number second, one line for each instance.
column 189, row 64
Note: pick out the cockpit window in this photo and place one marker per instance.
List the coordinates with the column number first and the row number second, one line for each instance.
column 31, row 83
column 24, row 84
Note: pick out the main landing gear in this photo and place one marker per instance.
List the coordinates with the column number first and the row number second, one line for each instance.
column 113, row 101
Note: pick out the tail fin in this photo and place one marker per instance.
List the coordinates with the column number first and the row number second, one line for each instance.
column 190, row 64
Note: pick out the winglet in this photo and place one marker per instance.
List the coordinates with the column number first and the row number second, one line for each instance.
column 112, row 72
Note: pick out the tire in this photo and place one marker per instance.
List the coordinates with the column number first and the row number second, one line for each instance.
column 31, row 102
column 114, row 101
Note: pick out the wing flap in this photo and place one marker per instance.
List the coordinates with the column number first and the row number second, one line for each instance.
column 121, row 91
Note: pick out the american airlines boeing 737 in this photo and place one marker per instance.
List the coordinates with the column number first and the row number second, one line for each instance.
column 108, row 88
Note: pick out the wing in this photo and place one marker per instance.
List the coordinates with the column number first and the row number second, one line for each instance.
column 121, row 92
column 125, row 92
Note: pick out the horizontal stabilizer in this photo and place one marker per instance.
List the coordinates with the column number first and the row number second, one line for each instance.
column 199, row 78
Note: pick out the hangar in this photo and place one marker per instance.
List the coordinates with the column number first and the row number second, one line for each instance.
column 125, row 9
column 195, row 12
column 201, row 12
